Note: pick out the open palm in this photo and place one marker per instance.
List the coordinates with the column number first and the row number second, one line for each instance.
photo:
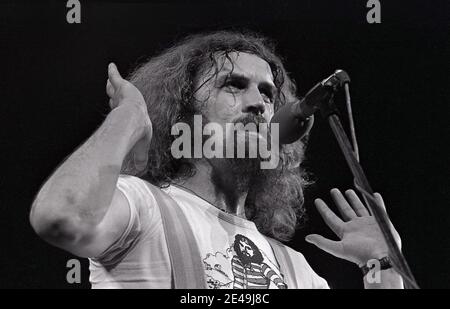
column 360, row 237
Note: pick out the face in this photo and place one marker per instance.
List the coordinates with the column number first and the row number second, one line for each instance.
column 241, row 92
column 243, row 87
column 245, row 248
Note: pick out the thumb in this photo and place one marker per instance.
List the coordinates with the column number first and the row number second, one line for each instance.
column 140, row 150
column 114, row 76
column 141, row 155
column 327, row 245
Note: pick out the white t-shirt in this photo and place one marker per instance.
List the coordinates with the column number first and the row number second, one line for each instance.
column 234, row 253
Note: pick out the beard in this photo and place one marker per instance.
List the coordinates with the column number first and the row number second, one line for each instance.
column 274, row 197
column 239, row 171
column 232, row 177
column 274, row 202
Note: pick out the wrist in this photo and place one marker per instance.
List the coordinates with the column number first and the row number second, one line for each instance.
column 376, row 264
column 134, row 120
column 374, row 255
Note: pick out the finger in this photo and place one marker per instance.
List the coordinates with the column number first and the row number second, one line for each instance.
column 379, row 200
column 380, row 203
column 356, row 203
column 109, row 89
column 141, row 165
column 141, row 155
column 142, row 148
column 327, row 245
column 330, row 218
column 111, row 103
column 346, row 211
column 114, row 76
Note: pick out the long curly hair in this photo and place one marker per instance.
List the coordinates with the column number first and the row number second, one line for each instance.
column 168, row 83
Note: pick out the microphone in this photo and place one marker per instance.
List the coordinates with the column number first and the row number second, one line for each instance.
column 295, row 119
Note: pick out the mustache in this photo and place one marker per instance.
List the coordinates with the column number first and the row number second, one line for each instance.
column 257, row 120
column 250, row 118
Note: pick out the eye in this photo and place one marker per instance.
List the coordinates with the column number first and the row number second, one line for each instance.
column 267, row 97
column 234, row 85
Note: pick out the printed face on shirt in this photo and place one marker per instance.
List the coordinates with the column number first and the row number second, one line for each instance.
column 245, row 248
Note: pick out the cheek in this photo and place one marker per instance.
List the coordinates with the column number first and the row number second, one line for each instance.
column 227, row 102
column 222, row 108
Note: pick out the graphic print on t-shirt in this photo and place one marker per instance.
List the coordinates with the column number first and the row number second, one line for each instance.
column 242, row 266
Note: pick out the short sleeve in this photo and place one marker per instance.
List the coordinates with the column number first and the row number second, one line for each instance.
column 141, row 205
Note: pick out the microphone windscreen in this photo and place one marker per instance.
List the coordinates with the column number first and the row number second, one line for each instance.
column 291, row 128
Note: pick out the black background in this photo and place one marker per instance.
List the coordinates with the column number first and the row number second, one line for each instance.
column 52, row 98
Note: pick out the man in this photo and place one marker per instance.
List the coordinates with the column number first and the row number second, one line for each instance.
column 109, row 200
column 249, row 269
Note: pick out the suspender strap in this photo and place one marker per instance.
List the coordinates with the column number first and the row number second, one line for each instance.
column 285, row 262
column 187, row 266
column 185, row 259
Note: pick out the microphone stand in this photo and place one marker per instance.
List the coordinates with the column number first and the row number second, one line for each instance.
column 329, row 111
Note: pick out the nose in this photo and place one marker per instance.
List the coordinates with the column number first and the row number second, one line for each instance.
column 253, row 102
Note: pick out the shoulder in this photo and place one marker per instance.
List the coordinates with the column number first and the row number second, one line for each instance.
column 137, row 191
column 143, row 200
column 135, row 184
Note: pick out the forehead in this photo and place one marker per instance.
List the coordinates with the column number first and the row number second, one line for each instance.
column 244, row 242
column 245, row 64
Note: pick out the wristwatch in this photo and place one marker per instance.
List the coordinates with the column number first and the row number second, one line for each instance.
column 384, row 263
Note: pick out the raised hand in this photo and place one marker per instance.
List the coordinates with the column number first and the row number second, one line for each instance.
column 122, row 93
column 360, row 237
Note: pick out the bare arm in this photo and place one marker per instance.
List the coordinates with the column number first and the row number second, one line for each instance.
column 79, row 208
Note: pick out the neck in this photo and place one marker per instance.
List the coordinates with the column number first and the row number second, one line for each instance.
column 214, row 184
